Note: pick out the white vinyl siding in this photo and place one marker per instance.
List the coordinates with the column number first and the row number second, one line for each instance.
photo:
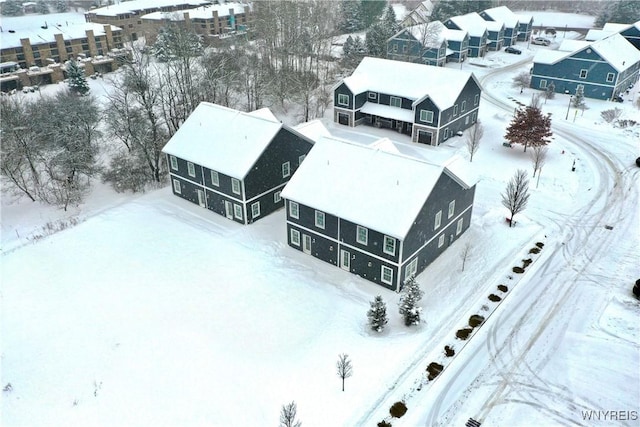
column 320, row 219
column 438, row 220
column 459, row 226
column 237, row 211
column 176, row 186
column 452, row 209
column 215, row 178
column 362, row 235
column 255, row 209
column 389, row 245
column 395, row 102
column 235, row 185
column 174, row 162
column 294, row 236
column 386, row 275
column 426, row 116
column 286, row 169
column 343, row 99
column 293, row 210
column 191, row 169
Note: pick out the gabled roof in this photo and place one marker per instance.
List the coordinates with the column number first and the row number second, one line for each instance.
column 495, row 25
column 472, row 23
column 593, row 35
column 442, row 85
column 614, row 27
column 382, row 186
column 524, row 18
column 313, row 130
column 430, row 34
column 504, row 14
column 222, row 139
column 38, row 35
column 614, row 49
column 421, row 13
column 454, row 35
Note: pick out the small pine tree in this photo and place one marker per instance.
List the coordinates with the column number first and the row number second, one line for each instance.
column 41, row 7
column 12, row 8
column 411, row 296
column 578, row 98
column 76, row 79
column 377, row 314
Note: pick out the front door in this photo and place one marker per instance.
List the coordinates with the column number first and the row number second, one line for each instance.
column 306, row 243
column 228, row 209
column 201, row 200
column 345, row 260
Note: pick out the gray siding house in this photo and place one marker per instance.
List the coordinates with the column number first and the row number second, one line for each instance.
column 423, row 43
column 234, row 163
column 473, row 24
column 505, row 15
column 430, row 104
column 383, row 212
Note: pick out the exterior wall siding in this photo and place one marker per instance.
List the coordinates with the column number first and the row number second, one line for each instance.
column 375, row 244
column 267, row 204
column 306, row 218
column 343, row 90
column 216, row 203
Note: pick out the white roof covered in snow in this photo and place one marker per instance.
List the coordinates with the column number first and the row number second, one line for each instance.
column 441, row 84
column 38, row 35
column 382, row 110
column 593, row 35
column 430, row 34
column 203, row 12
column 504, row 14
column 472, row 22
column 455, row 35
column 222, row 139
column 314, row 130
column 141, row 5
column 524, row 18
column 614, row 49
column 494, row 25
column 615, row 27
column 389, row 182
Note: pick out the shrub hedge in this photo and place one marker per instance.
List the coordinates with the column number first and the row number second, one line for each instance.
column 463, row 333
column 398, row 410
column 502, row 288
column 494, row 298
column 475, row 320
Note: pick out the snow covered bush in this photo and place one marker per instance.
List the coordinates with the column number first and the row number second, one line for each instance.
column 409, row 299
column 610, row 115
column 126, row 173
column 377, row 314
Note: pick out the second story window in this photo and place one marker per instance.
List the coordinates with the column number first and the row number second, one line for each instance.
column 293, row 210
column 389, row 245
column 174, row 162
column 286, row 169
column 438, row 220
column 191, row 169
column 426, row 116
column 343, row 99
column 452, row 209
column 215, row 179
column 320, row 219
column 362, row 235
column 395, row 102
column 583, row 74
column 235, row 185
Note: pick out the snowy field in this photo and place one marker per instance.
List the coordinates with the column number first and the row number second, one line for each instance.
column 153, row 312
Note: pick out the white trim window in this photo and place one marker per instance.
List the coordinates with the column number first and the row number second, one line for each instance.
column 174, row 162
column 411, row 269
column 452, row 208
column 476, row 99
column 438, row 220
column 286, row 169
column 237, row 211
column 362, row 235
column 583, row 73
column 474, row 116
column 389, row 247
column 543, row 84
column 459, row 226
column 372, row 96
column 294, row 210
column 386, row 275
column 255, row 210
column 191, row 169
column 426, row 116
column 441, row 240
column 455, row 110
column 215, row 178
column 177, row 187
column 395, row 101
column 343, row 99
column 610, row 77
column 463, row 107
column 294, row 237
column 320, row 219
column 235, row 185
column 276, row 197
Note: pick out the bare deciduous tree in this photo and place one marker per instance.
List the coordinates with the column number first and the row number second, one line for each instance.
column 538, row 157
column 474, row 135
column 288, row 415
column 465, row 252
column 522, row 80
column 516, row 195
column 344, row 367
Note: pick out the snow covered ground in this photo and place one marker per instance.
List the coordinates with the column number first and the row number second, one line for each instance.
column 153, row 311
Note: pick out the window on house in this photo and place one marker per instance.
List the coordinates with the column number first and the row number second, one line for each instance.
column 294, row 237
column 301, row 159
column 386, row 275
column 320, row 219
column 293, row 210
column 455, row 110
column 174, row 162
column 583, row 74
column 373, row 95
column 404, row 48
column 476, row 99
column 543, row 84
column 395, row 47
column 438, row 220
column 176, row 186
column 235, row 185
column 362, row 235
column 441, row 240
column 276, row 197
column 466, row 120
column 191, row 169
column 389, row 245
column 463, row 107
column 396, row 102
column 610, row 77
column 452, row 209
column 459, row 226
column 473, row 117
column 426, row 116
column 215, row 179
column 255, row 210
column 286, row 169
column 446, row 133
column 343, row 99
column 237, row 211
column 411, row 269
